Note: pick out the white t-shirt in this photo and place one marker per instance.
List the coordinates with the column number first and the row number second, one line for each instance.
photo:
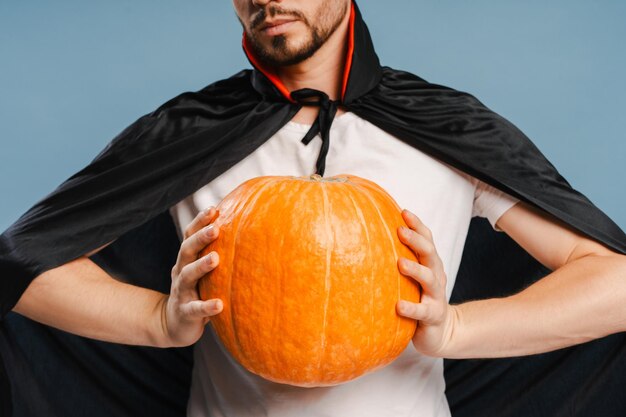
column 444, row 198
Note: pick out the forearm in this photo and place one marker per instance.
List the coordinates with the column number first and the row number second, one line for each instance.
column 583, row 300
column 81, row 298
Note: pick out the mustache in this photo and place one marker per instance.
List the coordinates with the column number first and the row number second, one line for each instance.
column 272, row 11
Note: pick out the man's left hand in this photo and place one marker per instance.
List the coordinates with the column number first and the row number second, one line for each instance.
column 436, row 318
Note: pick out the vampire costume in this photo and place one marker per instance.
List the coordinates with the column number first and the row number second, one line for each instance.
column 124, row 195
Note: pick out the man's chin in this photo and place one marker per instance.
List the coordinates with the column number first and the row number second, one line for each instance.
column 283, row 52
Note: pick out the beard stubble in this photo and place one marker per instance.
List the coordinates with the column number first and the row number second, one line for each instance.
column 279, row 53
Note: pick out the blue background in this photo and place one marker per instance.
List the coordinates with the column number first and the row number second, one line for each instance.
column 73, row 75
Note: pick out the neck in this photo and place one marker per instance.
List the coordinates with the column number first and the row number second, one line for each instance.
column 324, row 70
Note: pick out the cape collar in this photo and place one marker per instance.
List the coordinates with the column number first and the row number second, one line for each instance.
column 362, row 70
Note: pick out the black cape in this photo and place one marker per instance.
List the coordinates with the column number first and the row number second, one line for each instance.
column 124, row 195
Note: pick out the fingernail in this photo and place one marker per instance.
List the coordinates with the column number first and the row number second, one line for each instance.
column 403, row 306
column 213, row 258
column 217, row 304
column 209, row 230
column 208, row 210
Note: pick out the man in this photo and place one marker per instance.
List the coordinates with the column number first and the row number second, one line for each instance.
column 313, row 63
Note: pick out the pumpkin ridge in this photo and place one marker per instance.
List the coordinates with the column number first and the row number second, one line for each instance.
column 282, row 285
column 233, row 251
column 225, row 218
column 359, row 213
column 327, row 284
column 250, row 201
column 278, row 310
column 393, row 247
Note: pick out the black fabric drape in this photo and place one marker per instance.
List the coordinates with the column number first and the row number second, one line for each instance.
column 56, row 374
column 124, row 195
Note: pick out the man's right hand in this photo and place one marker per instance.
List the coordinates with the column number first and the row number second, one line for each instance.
column 81, row 298
column 184, row 314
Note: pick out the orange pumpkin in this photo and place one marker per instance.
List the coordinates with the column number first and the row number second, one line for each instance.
column 309, row 280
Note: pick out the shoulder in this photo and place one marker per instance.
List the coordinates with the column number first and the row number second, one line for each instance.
column 401, row 80
column 410, row 91
column 228, row 91
column 223, row 101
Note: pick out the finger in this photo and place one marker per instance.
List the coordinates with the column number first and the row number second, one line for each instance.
column 420, row 273
column 202, row 309
column 194, row 244
column 416, row 224
column 415, row 311
column 420, row 245
column 191, row 273
column 202, row 219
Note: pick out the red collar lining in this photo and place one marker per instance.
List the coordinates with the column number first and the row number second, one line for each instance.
column 348, row 65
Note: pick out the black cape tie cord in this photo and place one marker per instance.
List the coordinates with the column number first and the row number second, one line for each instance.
column 328, row 110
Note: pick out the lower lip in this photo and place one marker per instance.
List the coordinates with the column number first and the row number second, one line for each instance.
column 279, row 29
